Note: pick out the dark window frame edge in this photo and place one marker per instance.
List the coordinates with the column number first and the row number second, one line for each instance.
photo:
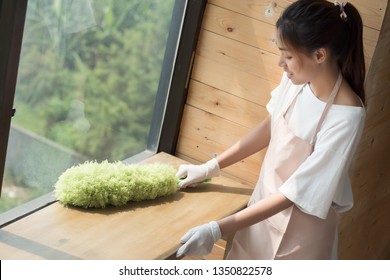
column 12, row 20
column 177, row 96
column 165, row 82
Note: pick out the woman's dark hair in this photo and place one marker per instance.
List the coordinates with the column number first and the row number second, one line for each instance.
column 313, row 24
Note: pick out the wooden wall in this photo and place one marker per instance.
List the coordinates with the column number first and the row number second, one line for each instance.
column 235, row 68
column 365, row 230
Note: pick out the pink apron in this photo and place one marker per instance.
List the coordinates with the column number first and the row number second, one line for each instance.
column 290, row 234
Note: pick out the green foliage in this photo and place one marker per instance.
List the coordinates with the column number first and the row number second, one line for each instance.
column 15, row 193
column 93, row 91
column 98, row 185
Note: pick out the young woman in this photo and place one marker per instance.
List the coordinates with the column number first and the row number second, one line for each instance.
column 316, row 117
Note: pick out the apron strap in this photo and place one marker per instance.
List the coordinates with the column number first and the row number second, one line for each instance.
column 292, row 101
column 329, row 103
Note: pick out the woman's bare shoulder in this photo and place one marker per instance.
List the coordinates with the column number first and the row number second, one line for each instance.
column 347, row 97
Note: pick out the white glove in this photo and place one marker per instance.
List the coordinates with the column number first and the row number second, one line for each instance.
column 199, row 241
column 197, row 173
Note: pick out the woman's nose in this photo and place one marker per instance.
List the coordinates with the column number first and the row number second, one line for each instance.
column 281, row 62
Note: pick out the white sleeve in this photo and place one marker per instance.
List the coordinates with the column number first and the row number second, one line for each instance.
column 321, row 178
column 277, row 96
column 273, row 101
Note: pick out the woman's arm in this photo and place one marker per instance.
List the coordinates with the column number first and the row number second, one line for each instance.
column 199, row 241
column 257, row 139
column 255, row 213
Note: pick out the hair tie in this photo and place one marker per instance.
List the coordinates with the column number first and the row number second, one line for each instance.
column 343, row 15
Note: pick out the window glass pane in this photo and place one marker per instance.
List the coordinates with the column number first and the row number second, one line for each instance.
column 88, row 78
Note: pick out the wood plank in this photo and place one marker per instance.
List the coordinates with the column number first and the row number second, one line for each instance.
column 260, row 34
column 370, row 39
column 372, row 12
column 232, row 80
column 264, row 10
column 204, row 135
column 210, row 132
column 224, row 172
column 225, row 105
column 366, row 236
column 365, row 230
column 142, row 230
column 246, row 171
column 239, row 27
column 239, row 56
column 269, row 11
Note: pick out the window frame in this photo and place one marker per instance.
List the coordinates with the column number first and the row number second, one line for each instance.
column 12, row 17
column 169, row 103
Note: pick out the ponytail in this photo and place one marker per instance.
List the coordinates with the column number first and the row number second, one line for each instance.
column 352, row 63
column 312, row 24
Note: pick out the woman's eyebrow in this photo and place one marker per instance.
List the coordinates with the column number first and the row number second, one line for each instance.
column 282, row 48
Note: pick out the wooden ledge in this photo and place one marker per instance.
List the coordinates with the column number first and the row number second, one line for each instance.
column 142, row 230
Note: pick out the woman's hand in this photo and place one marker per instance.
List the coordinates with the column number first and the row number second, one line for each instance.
column 199, row 241
column 192, row 174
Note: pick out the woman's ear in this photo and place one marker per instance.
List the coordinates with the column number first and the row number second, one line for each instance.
column 320, row 55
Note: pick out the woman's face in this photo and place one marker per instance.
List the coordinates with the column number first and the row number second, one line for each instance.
column 300, row 67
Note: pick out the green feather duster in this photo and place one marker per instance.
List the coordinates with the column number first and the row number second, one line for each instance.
column 97, row 185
